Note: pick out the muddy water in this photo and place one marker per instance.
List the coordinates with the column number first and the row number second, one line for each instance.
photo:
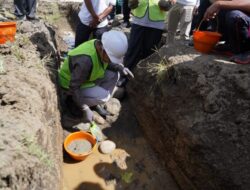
column 133, row 165
column 80, row 146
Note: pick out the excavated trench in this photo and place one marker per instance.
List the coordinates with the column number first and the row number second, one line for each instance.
column 34, row 124
column 133, row 164
column 195, row 115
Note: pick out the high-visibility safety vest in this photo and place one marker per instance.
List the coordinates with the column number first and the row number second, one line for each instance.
column 98, row 67
column 155, row 14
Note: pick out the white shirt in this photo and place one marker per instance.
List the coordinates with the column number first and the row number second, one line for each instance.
column 99, row 6
column 195, row 3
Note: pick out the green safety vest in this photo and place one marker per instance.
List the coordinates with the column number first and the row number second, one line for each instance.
column 98, row 68
column 155, row 14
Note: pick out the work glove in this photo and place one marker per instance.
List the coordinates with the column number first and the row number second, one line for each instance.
column 125, row 71
column 87, row 114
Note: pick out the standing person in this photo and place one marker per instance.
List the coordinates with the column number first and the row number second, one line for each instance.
column 25, row 9
column 126, row 14
column 181, row 12
column 93, row 19
column 146, row 30
column 234, row 17
column 89, row 73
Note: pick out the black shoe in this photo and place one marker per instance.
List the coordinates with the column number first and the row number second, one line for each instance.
column 32, row 18
column 100, row 110
column 128, row 24
column 21, row 18
column 122, row 82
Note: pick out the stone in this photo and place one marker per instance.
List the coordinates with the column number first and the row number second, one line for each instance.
column 107, row 147
column 113, row 106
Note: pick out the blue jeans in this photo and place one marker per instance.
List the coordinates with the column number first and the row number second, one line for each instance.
column 235, row 26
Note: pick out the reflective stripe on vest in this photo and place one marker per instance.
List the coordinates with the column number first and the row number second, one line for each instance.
column 98, row 68
column 155, row 14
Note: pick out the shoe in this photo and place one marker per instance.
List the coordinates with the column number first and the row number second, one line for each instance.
column 127, row 24
column 223, row 49
column 32, row 18
column 122, row 82
column 21, row 18
column 100, row 110
column 119, row 93
column 243, row 58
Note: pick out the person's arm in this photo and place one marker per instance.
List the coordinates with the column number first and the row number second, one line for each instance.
column 213, row 10
column 105, row 13
column 80, row 68
column 121, row 69
column 115, row 66
column 95, row 18
column 90, row 8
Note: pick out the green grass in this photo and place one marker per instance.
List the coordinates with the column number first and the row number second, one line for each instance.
column 16, row 51
column 162, row 71
column 36, row 150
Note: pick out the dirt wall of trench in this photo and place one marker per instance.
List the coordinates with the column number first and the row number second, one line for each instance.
column 30, row 129
column 195, row 111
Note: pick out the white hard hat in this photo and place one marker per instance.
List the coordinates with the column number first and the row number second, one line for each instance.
column 115, row 44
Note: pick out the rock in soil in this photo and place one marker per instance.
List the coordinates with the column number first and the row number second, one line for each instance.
column 107, row 147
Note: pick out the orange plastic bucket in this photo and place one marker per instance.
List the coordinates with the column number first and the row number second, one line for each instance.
column 7, row 32
column 80, row 135
column 204, row 41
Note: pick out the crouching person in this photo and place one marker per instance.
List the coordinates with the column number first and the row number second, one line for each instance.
column 90, row 72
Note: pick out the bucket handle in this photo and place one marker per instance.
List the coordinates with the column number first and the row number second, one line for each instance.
column 217, row 24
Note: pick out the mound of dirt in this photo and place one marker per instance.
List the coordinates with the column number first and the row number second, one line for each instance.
column 195, row 110
column 30, row 129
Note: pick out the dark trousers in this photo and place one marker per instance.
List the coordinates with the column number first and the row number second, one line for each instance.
column 125, row 11
column 142, row 43
column 204, row 4
column 25, row 7
column 235, row 26
column 116, row 10
column 83, row 33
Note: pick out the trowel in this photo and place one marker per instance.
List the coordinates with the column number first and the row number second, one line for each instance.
column 96, row 131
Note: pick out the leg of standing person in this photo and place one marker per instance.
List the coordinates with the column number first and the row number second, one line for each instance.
column 82, row 33
column 126, row 13
column 31, row 9
column 20, row 11
column 153, row 37
column 112, row 14
column 186, row 21
column 135, row 46
column 97, row 33
column 173, row 20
